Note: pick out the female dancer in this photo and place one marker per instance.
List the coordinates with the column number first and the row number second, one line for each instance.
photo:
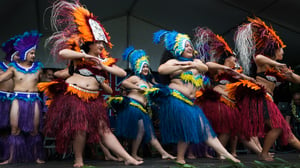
column 220, row 110
column 133, row 120
column 180, row 121
column 258, row 43
column 77, row 111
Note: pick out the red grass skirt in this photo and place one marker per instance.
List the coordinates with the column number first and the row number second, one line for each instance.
column 221, row 115
column 255, row 108
column 71, row 110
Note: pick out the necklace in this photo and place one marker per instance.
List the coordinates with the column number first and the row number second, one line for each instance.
column 294, row 111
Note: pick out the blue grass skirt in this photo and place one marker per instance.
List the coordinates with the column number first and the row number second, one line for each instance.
column 180, row 119
column 128, row 117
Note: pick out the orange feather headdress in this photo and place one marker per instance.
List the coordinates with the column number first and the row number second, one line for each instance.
column 256, row 38
column 74, row 25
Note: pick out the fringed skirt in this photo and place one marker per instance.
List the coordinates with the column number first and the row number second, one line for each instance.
column 180, row 120
column 129, row 113
column 71, row 110
column 5, row 104
column 27, row 102
column 255, row 108
column 219, row 110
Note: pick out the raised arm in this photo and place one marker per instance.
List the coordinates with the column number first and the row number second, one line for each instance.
column 172, row 66
column 200, row 66
column 263, row 60
column 212, row 66
column 115, row 70
column 290, row 75
column 70, row 54
column 130, row 83
column 63, row 74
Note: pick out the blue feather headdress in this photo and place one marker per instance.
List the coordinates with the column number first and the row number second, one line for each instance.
column 8, row 48
column 136, row 58
column 173, row 41
column 27, row 42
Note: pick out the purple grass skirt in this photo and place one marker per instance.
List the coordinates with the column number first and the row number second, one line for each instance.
column 16, row 150
column 27, row 103
column 5, row 104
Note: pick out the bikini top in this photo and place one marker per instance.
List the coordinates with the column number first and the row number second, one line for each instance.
column 86, row 69
column 189, row 77
column 272, row 75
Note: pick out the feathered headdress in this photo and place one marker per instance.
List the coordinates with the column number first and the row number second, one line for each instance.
column 210, row 46
column 173, row 41
column 74, row 25
column 27, row 42
column 136, row 58
column 8, row 48
column 256, row 38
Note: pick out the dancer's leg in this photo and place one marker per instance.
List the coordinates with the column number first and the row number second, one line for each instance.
column 78, row 147
column 164, row 155
column 136, row 142
column 181, row 149
column 15, row 131
column 219, row 148
column 233, row 145
column 109, row 140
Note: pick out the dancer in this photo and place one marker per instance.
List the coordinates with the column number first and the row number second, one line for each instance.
column 25, row 113
column 181, row 121
column 220, row 110
column 7, row 87
column 77, row 113
column 133, row 121
column 6, row 92
column 257, row 42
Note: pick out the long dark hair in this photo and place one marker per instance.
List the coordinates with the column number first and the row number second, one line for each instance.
column 86, row 46
column 167, row 55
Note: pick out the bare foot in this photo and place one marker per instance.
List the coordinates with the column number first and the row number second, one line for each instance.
column 234, row 154
column 180, row 161
column 190, row 156
column 120, row 159
column 4, row 163
column 265, row 157
column 110, row 157
column 39, row 161
column 133, row 162
column 271, row 154
column 231, row 158
column 208, row 156
column 78, row 163
column 221, row 157
column 168, row 156
column 136, row 157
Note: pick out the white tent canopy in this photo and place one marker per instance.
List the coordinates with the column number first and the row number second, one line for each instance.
column 132, row 22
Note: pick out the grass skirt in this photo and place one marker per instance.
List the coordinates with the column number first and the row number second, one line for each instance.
column 5, row 104
column 256, row 107
column 219, row 111
column 27, row 103
column 180, row 120
column 128, row 118
column 72, row 110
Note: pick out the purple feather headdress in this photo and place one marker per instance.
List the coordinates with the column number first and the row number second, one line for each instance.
column 27, row 42
column 8, row 48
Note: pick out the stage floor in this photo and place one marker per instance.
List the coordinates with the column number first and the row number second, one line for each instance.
column 292, row 158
